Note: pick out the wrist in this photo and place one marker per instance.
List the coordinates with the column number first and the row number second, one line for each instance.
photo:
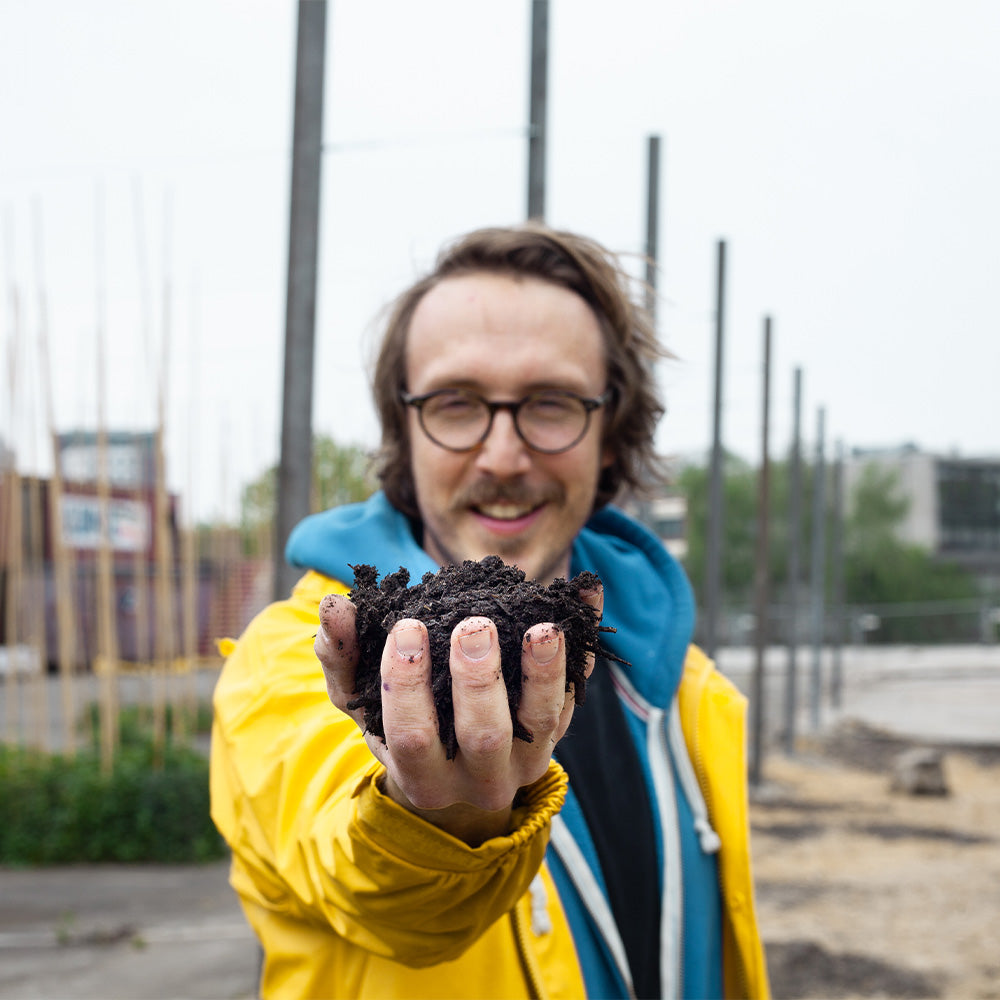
column 461, row 820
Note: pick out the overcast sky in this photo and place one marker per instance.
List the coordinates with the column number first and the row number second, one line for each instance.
column 847, row 152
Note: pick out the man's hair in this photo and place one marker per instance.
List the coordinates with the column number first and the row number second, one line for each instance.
column 630, row 346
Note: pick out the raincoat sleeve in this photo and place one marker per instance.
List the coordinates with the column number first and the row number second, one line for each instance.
column 295, row 794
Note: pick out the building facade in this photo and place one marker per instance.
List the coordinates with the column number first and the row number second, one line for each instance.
column 954, row 504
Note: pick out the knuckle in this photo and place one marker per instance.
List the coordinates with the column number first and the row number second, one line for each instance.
column 484, row 742
column 545, row 721
column 474, row 677
column 411, row 741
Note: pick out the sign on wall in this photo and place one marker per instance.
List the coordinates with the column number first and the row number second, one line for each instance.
column 128, row 527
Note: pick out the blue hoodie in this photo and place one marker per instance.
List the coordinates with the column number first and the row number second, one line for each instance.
column 648, row 600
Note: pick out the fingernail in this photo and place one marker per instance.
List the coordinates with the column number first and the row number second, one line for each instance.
column 322, row 636
column 409, row 641
column 544, row 647
column 476, row 644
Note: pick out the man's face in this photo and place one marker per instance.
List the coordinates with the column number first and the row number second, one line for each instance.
column 504, row 338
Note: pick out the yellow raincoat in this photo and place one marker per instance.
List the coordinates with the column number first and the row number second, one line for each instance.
column 353, row 896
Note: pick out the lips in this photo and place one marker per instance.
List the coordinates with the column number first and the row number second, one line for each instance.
column 505, row 511
column 506, row 520
column 508, row 509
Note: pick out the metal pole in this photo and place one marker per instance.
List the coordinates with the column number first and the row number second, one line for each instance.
column 818, row 571
column 761, row 574
column 837, row 557
column 794, row 565
column 713, row 570
column 295, row 464
column 538, row 108
column 652, row 222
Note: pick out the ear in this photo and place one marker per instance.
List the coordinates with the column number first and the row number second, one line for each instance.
column 607, row 456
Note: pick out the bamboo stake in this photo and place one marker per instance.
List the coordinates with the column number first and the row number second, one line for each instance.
column 107, row 634
column 215, row 551
column 189, row 703
column 189, row 540
column 15, row 572
column 35, row 614
column 14, row 535
column 66, row 603
column 144, row 647
column 164, row 598
column 140, row 587
column 107, row 629
column 62, row 557
column 34, row 592
column 165, row 621
column 222, row 545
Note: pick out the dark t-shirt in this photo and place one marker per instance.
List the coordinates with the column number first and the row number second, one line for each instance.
column 606, row 777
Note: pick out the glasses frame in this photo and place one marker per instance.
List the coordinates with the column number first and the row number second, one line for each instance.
column 513, row 407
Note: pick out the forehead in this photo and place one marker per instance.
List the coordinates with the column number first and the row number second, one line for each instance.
column 505, row 332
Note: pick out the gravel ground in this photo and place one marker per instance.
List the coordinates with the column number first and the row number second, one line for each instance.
column 866, row 892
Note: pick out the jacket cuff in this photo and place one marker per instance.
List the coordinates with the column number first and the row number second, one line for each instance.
column 415, row 841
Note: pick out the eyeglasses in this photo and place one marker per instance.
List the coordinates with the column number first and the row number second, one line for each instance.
column 550, row 421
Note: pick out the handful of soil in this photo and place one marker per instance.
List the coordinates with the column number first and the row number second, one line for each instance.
column 441, row 600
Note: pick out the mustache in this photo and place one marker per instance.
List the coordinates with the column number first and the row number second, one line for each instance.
column 485, row 492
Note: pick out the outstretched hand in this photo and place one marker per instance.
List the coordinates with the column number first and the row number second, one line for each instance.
column 472, row 795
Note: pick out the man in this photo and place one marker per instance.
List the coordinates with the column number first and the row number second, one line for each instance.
column 516, row 394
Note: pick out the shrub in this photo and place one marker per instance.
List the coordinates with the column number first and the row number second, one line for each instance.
column 149, row 807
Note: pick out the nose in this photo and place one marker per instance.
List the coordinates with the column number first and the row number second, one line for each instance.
column 503, row 453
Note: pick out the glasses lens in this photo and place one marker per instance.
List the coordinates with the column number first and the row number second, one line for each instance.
column 455, row 419
column 552, row 421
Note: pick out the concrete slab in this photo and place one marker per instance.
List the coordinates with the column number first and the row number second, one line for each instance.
column 134, row 932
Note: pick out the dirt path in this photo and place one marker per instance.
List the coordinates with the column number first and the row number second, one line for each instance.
column 864, row 892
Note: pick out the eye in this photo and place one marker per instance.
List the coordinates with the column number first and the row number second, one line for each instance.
column 552, row 405
column 453, row 405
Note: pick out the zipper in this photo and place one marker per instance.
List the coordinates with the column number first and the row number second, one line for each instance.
column 532, row 974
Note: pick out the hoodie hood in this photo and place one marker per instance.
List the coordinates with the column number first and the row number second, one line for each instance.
column 647, row 598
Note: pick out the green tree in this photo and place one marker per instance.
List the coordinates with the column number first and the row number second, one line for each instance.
column 739, row 526
column 879, row 567
column 340, row 474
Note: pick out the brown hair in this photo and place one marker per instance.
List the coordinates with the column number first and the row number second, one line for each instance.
column 631, row 348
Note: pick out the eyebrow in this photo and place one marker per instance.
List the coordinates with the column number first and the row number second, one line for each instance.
column 471, row 385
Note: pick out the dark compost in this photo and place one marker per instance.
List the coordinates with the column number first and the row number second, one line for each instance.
column 441, row 600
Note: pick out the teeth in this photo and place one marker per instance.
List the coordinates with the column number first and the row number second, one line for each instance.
column 504, row 511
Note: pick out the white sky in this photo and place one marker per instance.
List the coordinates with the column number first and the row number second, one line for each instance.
column 848, row 152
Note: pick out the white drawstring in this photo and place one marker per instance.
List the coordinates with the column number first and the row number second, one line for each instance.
column 541, row 922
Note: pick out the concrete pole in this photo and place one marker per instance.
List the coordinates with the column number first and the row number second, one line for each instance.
column 837, row 559
column 652, row 222
column 713, row 569
column 818, row 572
column 295, row 464
column 761, row 572
column 538, row 108
column 794, row 566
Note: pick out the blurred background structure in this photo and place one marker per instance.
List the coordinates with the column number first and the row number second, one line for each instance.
column 826, row 167
column 836, row 152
